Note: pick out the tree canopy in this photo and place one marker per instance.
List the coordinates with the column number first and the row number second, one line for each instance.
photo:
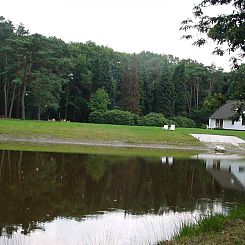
column 45, row 78
column 226, row 30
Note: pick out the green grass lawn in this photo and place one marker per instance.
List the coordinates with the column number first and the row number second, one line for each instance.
column 105, row 133
column 94, row 132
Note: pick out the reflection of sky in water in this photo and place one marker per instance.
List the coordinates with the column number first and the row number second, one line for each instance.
column 114, row 228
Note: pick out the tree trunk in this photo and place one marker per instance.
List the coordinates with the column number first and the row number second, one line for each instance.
column 38, row 112
column 17, row 109
column 12, row 102
column 67, row 101
column 27, row 70
column 23, row 115
column 5, row 100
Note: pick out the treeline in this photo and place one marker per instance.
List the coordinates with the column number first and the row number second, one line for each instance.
column 44, row 77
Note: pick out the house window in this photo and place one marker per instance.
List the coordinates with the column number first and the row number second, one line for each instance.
column 241, row 169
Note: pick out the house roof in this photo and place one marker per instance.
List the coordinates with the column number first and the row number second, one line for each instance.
column 226, row 111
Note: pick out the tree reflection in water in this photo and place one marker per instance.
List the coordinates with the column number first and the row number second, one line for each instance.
column 36, row 188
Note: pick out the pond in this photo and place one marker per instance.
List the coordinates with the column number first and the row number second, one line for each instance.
column 62, row 199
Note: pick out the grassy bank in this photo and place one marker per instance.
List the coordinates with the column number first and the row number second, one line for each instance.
column 84, row 132
column 218, row 229
column 94, row 132
column 98, row 150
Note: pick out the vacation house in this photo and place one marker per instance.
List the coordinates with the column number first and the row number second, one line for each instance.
column 222, row 118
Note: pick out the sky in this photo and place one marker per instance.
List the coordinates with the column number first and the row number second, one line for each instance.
column 129, row 26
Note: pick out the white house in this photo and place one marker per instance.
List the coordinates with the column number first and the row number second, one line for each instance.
column 222, row 118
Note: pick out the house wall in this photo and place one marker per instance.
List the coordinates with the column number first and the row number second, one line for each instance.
column 211, row 123
column 237, row 125
column 227, row 124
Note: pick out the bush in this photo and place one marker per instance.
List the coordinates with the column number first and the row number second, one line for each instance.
column 184, row 122
column 97, row 117
column 153, row 119
column 112, row 117
column 204, row 126
column 119, row 117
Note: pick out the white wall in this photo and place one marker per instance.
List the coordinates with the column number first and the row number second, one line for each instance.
column 236, row 126
column 227, row 124
column 211, row 123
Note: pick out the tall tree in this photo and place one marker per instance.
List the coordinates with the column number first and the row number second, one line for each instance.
column 130, row 96
column 180, row 93
column 163, row 94
column 6, row 34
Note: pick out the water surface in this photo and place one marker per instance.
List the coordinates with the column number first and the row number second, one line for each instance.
column 59, row 199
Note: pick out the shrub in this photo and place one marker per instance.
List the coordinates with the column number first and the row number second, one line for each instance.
column 204, row 126
column 119, row 117
column 97, row 117
column 184, row 122
column 153, row 119
column 112, row 117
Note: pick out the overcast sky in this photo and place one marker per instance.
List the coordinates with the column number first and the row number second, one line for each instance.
column 124, row 25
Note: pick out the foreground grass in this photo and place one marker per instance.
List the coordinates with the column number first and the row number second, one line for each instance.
column 218, row 229
column 85, row 132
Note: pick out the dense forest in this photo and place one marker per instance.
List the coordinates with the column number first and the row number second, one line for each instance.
column 45, row 78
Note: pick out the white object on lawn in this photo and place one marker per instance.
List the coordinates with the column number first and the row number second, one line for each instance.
column 165, row 127
column 172, row 127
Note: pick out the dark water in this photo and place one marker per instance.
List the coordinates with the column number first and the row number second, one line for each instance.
column 59, row 199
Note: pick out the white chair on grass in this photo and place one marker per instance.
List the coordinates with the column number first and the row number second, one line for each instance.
column 165, row 127
column 172, row 127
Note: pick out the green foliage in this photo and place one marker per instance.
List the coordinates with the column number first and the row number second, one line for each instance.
column 213, row 102
column 184, row 122
column 163, row 92
column 43, row 78
column 200, row 116
column 225, row 29
column 180, row 89
column 238, row 213
column 213, row 223
column 97, row 116
column 112, row 117
column 119, row 117
column 130, row 85
column 207, row 225
column 99, row 101
column 153, row 119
